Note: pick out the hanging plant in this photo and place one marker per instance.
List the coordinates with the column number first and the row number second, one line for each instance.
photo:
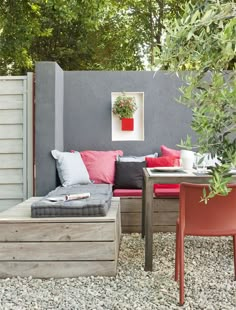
column 124, row 106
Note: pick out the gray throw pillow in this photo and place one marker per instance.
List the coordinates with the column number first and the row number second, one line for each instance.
column 71, row 168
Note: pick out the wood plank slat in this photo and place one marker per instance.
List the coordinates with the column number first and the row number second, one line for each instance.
column 11, row 191
column 11, row 131
column 159, row 218
column 11, row 176
column 57, row 269
column 11, row 146
column 159, row 204
column 11, row 87
column 57, row 251
column 44, row 232
column 11, row 117
column 11, row 103
column 9, row 161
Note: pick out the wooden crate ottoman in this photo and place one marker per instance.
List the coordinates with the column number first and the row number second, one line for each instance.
column 58, row 247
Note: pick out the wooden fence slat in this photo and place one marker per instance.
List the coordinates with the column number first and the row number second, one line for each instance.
column 11, row 145
column 11, row 131
column 11, row 161
column 11, row 117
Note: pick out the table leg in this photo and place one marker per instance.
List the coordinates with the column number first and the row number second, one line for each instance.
column 143, row 207
column 148, row 225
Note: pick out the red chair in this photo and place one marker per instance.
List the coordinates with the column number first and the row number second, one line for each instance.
column 216, row 218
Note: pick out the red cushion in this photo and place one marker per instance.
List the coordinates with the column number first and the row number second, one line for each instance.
column 166, row 151
column 163, row 161
column 167, row 192
column 127, row 192
column 166, row 186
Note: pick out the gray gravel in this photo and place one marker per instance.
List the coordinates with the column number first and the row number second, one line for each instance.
column 209, row 281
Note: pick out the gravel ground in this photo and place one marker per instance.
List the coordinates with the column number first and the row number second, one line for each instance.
column 209, row 281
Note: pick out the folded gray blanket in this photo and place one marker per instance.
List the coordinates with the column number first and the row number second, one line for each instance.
column 97, row 204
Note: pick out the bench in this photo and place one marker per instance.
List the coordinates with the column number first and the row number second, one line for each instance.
column 58, row 247
column 165, row 210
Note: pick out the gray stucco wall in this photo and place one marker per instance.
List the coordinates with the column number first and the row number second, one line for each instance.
column 87, row 114
column 84, row 122
column 49, row 91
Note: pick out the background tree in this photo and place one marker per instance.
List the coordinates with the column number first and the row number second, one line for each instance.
column 82, row 35
column 203, row 40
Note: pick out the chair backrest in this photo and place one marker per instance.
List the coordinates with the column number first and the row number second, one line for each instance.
column 217, row 217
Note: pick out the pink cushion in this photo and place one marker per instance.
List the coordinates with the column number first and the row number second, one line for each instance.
column 127, row 192
column 167, row 192
column 166, row 151
column 101, row 165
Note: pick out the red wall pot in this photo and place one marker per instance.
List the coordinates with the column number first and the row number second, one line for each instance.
column 127, row 124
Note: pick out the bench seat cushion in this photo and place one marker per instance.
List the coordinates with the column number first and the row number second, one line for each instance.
column 97, row 204
column 127, row 192
column 167, row 192
column 172, row 192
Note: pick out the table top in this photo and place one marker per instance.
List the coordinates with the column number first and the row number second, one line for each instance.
column 178, row 176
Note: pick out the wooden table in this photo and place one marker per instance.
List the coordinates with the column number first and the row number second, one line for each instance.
column 149, row 180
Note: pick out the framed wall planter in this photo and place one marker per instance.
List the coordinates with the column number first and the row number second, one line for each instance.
column 129, row 128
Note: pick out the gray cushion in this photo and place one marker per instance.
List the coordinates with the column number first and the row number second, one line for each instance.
column 97, row 204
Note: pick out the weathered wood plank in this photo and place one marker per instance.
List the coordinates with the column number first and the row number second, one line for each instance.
column 9, row 176
column 11, row 117
column 57, row 251
column 11, row 131
column 159, row 218
column 134, row 205
column 11, row 161
column 57, row 269
column 11, row 191
column 11, row 87
column 11, row 146
column 11, row 103
column 57, row 232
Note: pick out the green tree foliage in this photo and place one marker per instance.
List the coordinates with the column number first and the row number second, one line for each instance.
column 81, row 34
column 203, row 40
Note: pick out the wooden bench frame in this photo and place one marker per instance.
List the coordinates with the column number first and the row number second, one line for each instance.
column 58, row 247
column 164, row 218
